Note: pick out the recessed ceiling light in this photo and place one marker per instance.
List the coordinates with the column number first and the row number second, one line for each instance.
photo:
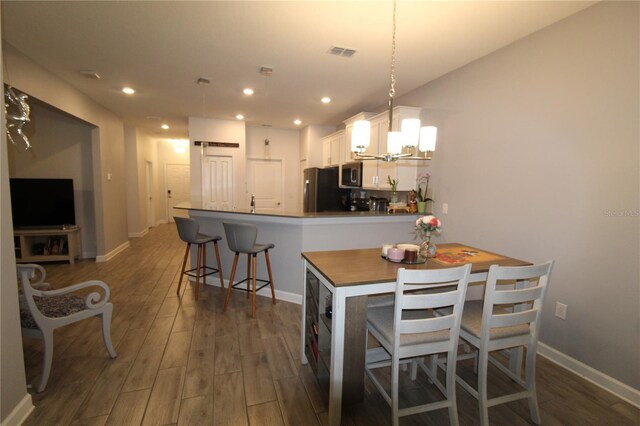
column 297, row 122
column 248, row 91
column 128, row 90
column 240, row 117
column 165, row 126
column 325, row 100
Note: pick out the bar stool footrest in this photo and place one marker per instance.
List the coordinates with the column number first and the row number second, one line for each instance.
column 192, row 272
column 266, row 283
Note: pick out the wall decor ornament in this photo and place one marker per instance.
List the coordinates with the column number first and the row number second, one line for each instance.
column 17, row 112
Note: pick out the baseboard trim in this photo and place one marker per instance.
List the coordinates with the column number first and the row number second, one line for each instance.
column 140, row 234
column 20, row 413
column 608, row 383
column 113, row 253
column 265, row 292
column 88, row 255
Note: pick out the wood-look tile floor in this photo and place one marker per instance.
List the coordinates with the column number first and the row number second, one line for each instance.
column 188, row 363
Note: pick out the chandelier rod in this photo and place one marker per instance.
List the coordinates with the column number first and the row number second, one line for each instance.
column 392, row 82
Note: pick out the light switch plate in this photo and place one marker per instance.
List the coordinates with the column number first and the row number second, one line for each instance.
column 561, row 310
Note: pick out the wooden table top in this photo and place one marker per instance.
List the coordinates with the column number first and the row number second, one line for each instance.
column 366, row 266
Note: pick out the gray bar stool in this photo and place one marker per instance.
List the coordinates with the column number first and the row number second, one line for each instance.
column 241, row 238
column 188, row 232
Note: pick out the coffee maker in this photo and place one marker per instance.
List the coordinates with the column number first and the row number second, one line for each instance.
column 359, row 203
column 378, row 204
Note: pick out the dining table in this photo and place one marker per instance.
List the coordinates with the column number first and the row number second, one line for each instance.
column 350, row 275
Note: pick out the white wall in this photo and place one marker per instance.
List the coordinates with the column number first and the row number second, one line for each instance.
column 61, row 148
column 213, row 130
column 140, row 149
column 538, row 157
column 284, row 145
column 13, row 395
column 136, row 224
column 107, row 143
column 147, row 152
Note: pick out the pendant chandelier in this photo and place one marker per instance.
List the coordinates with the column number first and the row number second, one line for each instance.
column 412, row 142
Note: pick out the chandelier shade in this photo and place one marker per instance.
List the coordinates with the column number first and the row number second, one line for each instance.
column 410, row 129
column 428, row 136
column 394, row 142
column 360, row 136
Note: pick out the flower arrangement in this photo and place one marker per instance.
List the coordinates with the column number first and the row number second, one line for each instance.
column 423, row 178
column 425, row 225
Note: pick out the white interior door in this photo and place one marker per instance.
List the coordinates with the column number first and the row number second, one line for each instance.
column 178, row 188
column 266, row 183
column 149, row 195
column 217, row 182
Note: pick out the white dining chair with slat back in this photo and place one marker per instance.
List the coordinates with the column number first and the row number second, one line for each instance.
column 409, row 330
column 507, row 319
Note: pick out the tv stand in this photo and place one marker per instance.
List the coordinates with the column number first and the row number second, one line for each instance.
column 47, row 245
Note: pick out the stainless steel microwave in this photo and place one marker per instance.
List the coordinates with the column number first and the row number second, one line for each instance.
column 351, row 175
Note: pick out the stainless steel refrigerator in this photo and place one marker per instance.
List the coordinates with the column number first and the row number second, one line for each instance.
column 321, row 192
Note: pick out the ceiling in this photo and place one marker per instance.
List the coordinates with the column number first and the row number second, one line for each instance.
column 161, row 48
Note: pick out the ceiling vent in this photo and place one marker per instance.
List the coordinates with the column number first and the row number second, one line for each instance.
column 266, row 71
column 90, row 74
column 341, row 51
column 202, row 80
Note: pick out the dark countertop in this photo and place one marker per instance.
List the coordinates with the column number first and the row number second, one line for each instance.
column 197, row 206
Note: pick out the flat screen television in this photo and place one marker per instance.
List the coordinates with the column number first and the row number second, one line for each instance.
column 42, row 203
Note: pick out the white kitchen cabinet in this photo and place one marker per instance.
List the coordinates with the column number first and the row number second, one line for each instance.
column 375, row 172
column 372, row 170
column 332, row 146
column 347, row 155
column 311, row 144
column 326, row 152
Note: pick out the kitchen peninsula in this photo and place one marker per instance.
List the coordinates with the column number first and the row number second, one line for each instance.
column 296, row 232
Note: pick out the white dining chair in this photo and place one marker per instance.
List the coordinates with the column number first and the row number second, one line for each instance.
column 507, row 319
column 409, row 330
column 46, row 310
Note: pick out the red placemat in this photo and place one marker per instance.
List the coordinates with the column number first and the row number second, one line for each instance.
column 463, row 254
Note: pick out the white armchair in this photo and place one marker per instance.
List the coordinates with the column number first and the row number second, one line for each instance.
column 43, row 310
